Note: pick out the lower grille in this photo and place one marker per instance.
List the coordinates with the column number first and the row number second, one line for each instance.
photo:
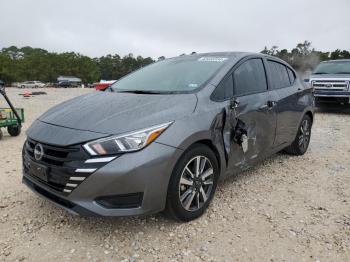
column 50, row 196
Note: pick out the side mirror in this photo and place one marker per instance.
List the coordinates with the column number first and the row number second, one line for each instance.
column 306, row 80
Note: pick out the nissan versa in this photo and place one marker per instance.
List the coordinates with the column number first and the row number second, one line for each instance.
column 161, row 137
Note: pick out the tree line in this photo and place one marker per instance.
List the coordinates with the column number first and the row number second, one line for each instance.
column 304, row 57
column 27, row 63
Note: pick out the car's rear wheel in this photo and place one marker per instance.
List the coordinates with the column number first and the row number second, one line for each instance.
column 302, row 140
column 192, row 184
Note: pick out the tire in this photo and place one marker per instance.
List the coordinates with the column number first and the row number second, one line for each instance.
column 190, row 194
column 14, row 130
column 22, row 86
column 302, row 139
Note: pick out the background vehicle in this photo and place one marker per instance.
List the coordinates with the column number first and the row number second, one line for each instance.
column 64, row 84
column 163, row 135
column 31, row 84
column 331, row 81
column 103, row 84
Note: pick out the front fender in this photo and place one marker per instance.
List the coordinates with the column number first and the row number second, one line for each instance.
column 198, row 128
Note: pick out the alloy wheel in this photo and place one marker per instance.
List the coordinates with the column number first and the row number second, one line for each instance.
column 304, row 135
column 196, row 183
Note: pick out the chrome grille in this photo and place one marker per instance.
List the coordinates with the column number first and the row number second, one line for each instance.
column 331, row 84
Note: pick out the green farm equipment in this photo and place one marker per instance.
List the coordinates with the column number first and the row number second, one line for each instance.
column 11, row 118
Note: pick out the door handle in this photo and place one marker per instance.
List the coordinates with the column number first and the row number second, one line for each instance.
column 271, row 104
column 300, row 92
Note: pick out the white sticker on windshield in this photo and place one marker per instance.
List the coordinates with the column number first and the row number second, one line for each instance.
column 193, row 85
column 212, row 59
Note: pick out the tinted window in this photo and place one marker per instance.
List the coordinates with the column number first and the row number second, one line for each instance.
column 291, row 76
column 250, row 77
column 224, row 90
column 279, row 75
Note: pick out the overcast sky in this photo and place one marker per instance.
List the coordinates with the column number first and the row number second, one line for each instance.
column 163, row 27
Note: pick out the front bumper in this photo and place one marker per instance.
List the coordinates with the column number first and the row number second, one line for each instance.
column 324, row 96
column 147, row 172
column 322, row 93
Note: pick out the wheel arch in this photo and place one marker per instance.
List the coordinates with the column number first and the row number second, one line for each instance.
column 310, row 114
column 219, row 156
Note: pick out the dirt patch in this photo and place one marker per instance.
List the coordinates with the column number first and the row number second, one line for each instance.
column 286, row 209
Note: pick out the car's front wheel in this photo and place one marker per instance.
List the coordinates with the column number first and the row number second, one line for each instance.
column 193, row 183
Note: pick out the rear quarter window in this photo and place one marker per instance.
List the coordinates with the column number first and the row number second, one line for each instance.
column 279, row 75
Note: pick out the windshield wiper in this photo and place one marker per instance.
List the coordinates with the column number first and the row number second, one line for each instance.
column 140, row 92
column 343, row 73
column 320, row 73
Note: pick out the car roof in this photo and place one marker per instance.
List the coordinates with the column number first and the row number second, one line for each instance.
column 230, row 55
column 233, row 56
column 232, row 59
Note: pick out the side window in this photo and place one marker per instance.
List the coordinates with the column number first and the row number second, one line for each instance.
column 224, row 90
column 291, row 76
column 279, row 75
column 250, row 77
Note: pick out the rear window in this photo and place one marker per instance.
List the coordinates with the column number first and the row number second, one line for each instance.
column 279, row 75
column 250, row 77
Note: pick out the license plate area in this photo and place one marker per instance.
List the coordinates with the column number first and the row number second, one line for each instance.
column 38, row 171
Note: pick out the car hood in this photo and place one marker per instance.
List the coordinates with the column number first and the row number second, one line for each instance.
column 333, row 76
column 116, row 113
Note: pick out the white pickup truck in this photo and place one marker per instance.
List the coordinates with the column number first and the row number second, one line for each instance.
column 331, row 81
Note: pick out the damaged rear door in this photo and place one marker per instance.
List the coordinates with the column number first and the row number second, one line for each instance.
column 251, row 119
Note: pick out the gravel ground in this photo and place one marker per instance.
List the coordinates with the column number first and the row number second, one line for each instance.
column 286, row 209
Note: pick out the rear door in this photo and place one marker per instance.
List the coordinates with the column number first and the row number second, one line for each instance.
column 251, row 115
column 282, row 80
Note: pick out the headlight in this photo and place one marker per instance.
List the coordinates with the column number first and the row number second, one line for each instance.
column 128, row 142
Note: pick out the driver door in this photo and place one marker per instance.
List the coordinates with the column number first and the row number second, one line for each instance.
column 251, row 117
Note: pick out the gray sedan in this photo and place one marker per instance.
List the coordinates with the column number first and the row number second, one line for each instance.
column 160, row 138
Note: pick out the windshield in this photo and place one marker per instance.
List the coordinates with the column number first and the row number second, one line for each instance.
column 333, row 68
column 171, row 75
